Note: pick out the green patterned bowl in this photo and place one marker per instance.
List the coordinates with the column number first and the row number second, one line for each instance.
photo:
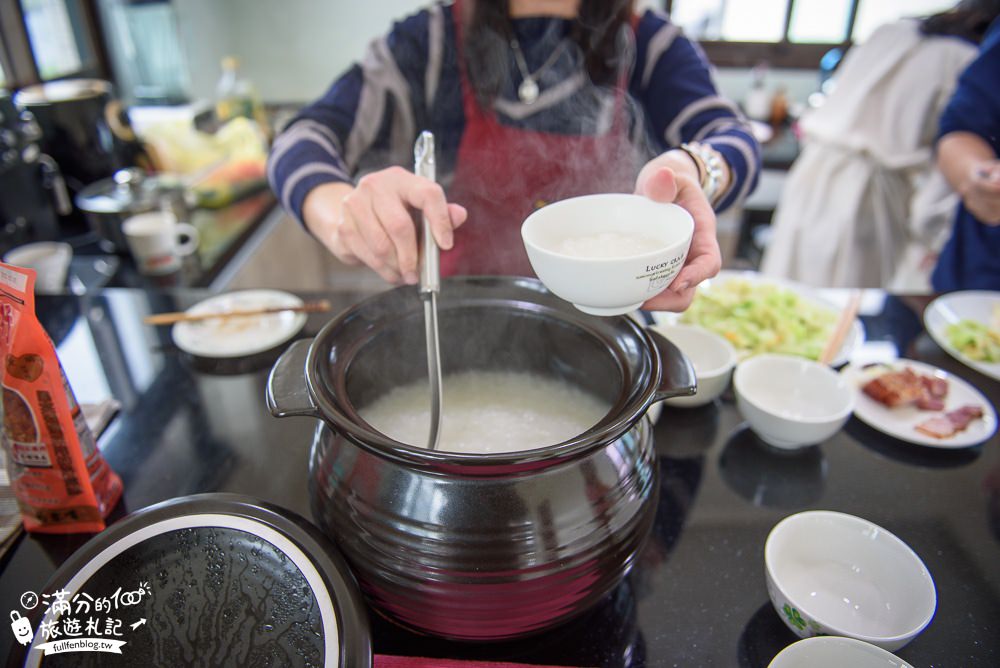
column 834, row 574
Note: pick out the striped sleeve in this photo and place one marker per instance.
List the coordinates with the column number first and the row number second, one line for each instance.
column 366, row 119
column 305, row 155
column 682, row 103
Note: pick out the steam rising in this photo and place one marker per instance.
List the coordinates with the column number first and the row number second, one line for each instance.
column 573, row 111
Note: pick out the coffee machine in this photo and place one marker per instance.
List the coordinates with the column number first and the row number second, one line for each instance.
column 85, row 128
column 32, row 192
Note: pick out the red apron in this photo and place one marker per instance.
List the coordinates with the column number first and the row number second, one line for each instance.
column 503, row 173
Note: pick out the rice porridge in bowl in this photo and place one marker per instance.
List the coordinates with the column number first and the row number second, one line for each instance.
column 608, row 244
column 487, row 412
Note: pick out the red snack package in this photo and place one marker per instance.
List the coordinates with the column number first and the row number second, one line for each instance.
column 61, row 480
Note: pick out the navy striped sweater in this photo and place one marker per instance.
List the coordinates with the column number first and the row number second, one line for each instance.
column 409, row 81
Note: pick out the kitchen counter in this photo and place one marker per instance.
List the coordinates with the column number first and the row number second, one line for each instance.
column 696, row 596
column 223, row 235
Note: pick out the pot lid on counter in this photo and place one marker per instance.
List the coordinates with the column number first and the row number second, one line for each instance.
column 217, row 577
column 130, row 190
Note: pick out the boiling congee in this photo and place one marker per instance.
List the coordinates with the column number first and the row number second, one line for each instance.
column 487, row 412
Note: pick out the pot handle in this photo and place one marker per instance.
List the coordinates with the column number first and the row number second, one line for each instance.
column 287, row 392
column 678, row 378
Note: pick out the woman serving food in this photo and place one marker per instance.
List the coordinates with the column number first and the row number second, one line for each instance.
column 531, row 101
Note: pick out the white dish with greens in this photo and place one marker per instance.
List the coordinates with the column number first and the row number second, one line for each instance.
column 966, row 325
column 759, row 314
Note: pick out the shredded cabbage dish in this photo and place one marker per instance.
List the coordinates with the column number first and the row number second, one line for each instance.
column 976, row 340
column 761, row 317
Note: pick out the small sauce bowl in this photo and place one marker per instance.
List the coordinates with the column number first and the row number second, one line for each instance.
column 835, row 652
column 712, row 357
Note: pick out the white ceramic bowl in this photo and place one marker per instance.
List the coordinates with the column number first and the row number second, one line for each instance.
column 829, row 573
column 835, row 652
column 608, row 253
column 712, row 357
column 50, row 259
column 791, row 402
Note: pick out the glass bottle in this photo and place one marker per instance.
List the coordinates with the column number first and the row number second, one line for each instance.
column 235, row 95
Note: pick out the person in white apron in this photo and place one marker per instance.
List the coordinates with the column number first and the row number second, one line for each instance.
column 863, row 205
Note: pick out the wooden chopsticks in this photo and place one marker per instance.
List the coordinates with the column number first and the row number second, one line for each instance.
column 840, row 331
column 180, row 316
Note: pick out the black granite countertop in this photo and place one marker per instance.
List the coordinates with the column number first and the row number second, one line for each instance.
column 696, row 596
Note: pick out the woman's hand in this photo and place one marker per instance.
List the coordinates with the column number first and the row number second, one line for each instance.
column 669, row 179
column 372, row 223
column 973, row 170
column 981, row 192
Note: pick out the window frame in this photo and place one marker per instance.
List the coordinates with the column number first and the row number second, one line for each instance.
column 19, row 59
column 782, row 54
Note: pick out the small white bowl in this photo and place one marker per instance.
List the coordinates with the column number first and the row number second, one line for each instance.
column 712, row 357
column 608, row 253
column 835, row 652
column 791, row 402
column 829, row 573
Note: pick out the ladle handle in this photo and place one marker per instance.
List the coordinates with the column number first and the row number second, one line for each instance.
column 424, row 165
column 287, row 391
column 678, row 378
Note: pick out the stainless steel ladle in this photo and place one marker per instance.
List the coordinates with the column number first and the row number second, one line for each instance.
column 430, row 286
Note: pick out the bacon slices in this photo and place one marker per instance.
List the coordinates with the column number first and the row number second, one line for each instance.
column 926, row 393
column 951, row 423
column 905, row 388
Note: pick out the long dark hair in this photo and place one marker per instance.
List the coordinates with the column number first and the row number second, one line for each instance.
column 968, row 19
column 596, row 31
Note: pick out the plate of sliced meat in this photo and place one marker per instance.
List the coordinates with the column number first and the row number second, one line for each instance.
column 922, row 404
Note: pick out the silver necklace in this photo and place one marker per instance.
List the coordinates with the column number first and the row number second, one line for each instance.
column 528, row 90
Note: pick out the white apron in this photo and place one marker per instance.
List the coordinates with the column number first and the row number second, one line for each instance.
column 863, row 204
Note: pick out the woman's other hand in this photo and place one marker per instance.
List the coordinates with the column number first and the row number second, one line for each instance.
column 372, row 223
column 672, row 178
column 981, row 192
column 973, row 170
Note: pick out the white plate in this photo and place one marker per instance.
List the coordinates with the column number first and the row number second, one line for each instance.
column 901, row 422
column 854, row 339
column 242, row 336
column 966, row 305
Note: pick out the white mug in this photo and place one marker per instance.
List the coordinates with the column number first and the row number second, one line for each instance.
column 158, row 242
column 50, row 259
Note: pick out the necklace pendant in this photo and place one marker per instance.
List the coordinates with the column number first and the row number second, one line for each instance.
column 528, row 90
